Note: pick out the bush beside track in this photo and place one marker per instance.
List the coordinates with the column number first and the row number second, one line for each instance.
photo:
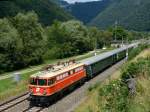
column 115, row 96
column 136, row 51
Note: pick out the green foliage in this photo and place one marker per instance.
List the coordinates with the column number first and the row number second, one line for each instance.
column 134, row 69
column 72, row 38
column 69, row 38
column 136, row 51
column 100, row 38
column 8, row 45
column 21, row 42
column 45, row 9
column 24, row 42
column 130, row 71
column 116, row 94
column 131, row 14
column 119, row 33
column 78, row 33
column 88, row 109
column 31, row 36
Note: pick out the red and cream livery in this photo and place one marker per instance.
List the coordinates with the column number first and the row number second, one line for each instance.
column 45, row 84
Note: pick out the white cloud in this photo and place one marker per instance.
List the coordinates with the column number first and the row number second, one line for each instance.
column 73, row 1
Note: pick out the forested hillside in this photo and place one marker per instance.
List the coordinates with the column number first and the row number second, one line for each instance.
column 88, row 10
column 132, row 14
column 45, row 9
column 61, row 3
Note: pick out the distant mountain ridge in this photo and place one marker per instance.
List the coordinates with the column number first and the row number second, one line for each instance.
column 87, row 11
column 132, row 14
column 45, row 9
column 61, row 3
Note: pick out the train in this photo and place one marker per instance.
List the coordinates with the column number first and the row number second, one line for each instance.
column 48, row 84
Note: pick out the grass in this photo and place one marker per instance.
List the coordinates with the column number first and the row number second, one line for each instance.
column 109, row 96
column 143, row 54
column 141, row 102
column 9, row 88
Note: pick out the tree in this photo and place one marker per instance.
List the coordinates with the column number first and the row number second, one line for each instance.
column 107, row 37
column 32, row 38
column 69, row 38
column 100, row 37
column 58, row 43
column 56, row 34
column 119, row 33
column 9, row 44
column 94, row 35
column 78, row 35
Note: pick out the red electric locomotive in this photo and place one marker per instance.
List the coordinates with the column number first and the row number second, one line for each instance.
column 50, row 82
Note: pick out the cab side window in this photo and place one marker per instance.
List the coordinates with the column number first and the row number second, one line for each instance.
column 51, row 81
column 33, row 81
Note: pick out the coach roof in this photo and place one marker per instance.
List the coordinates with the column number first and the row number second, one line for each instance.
column 102, row 56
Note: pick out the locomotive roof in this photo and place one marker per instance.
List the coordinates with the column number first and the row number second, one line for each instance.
column 102, row 56
column 59, row 70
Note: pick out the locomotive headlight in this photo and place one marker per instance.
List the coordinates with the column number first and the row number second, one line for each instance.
column 37, row 89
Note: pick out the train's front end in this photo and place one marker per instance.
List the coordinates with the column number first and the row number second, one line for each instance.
column 40, row 90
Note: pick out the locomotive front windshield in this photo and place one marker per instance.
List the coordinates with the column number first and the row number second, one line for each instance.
column 40, row 82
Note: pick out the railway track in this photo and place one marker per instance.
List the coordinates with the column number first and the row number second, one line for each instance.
column 17, row 102
column 33, row 109
column 10, row 103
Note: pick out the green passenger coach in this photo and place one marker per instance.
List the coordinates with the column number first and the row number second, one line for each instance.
column 96, row 64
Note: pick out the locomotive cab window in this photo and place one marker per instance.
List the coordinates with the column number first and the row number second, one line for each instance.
column 42, row 82
column 33, row 81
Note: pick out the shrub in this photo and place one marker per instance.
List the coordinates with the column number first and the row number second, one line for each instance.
column 136, row 51
column 115, row 94
column 134, row 69
column 130, row 71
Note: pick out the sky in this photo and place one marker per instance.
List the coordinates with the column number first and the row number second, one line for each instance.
column 72, row 1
